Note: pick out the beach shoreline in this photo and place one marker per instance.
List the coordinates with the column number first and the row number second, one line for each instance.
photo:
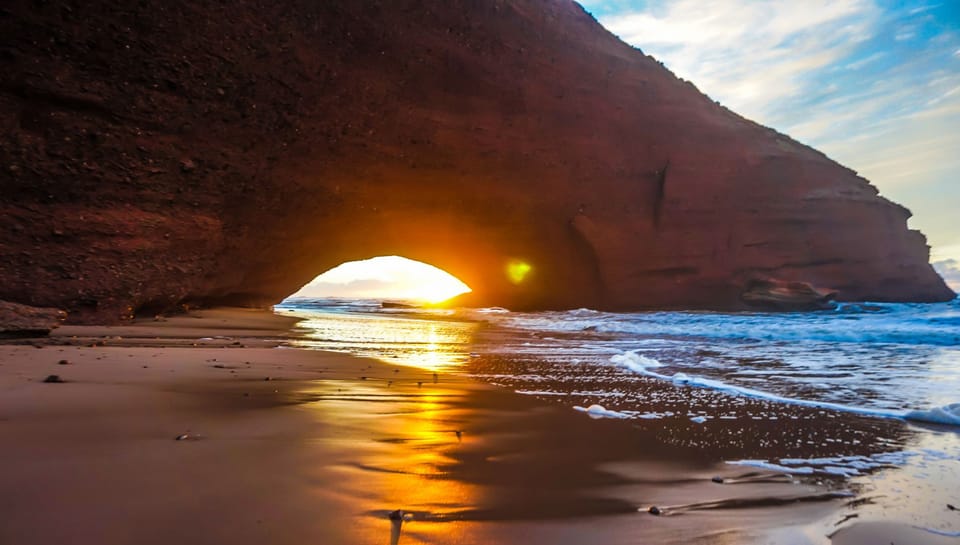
column 203, row 428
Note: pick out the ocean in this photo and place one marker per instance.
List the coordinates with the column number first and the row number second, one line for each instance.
column 867, row 395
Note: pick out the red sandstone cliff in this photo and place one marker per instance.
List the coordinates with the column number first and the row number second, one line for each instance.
column 163, row 151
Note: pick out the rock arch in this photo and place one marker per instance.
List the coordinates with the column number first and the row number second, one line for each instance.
column 195, row 151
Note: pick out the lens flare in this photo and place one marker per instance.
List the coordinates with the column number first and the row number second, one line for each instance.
column 517, row 271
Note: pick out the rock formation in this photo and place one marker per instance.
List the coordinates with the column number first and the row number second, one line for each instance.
column 777, row 295
column 25, row 321
column 162, row 152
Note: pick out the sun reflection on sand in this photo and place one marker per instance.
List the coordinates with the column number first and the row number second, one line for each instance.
column 403, row 427
column 429, row 436
column 401, row 452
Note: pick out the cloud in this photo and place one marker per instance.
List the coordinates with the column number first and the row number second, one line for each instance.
column 906, row 33
column 750, row 55
column 842, row 76
column 363, row 287
column 949, row 269
column 858, row 64
column 921, row 9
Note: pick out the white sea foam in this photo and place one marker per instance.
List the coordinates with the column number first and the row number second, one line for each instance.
column 851, row 466
column 840, row 466
column 635, row 362
column 948, row 414
column 763, row 464
column 598, row 411
column 842, row 471
column 947, row 533
column 492, row 310
column 632, row 360
column 590, row 393
column 821, row 461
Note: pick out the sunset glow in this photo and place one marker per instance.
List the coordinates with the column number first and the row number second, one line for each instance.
column 385, row 277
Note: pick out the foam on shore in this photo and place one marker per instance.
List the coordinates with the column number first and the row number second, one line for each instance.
column 640, row 364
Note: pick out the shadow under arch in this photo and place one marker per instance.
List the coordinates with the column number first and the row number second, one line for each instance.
column 439, row 228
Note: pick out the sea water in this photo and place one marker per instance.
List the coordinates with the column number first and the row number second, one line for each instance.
column 875, row 361
column 885, row 360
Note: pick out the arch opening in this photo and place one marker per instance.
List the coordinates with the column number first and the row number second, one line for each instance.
column 390, row 278
column 346, row 309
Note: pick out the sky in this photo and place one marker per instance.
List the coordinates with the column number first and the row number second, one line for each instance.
column 391, row 277
column 873, row 84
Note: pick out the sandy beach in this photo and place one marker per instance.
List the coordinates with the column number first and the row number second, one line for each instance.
column 204, row 429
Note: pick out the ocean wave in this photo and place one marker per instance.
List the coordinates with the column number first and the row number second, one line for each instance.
column 948, row 415
column 873, row 323
column 847, row 466
column 883, row 360
column 491, row 310
column 640, row 364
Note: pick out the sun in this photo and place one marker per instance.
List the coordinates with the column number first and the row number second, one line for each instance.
column 385, row 277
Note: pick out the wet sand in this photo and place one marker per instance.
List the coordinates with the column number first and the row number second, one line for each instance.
column 326, row 448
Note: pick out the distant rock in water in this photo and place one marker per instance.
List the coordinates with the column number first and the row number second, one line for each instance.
column 18, row 320
column 392, row 304
column 774, row 294
column 231, row 156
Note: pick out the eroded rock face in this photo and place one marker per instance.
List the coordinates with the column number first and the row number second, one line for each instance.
column 196, row 151
column 18, row 320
